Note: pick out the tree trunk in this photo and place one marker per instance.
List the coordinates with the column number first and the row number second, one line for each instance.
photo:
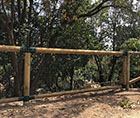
column 38, row 77
column 15, row 65
column 16, row 75
column 112, row 69
column 71, row 76
column 98, row 62
column 43, row 65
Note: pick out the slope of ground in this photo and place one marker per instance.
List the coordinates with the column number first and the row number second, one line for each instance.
column 87, row 105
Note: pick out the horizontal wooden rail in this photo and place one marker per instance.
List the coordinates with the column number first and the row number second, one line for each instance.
column 77, row 51
column 134, row 80
column 7, row 100
column 76, row 91
column 134, row 53
column 108, row 82
column 4, row 48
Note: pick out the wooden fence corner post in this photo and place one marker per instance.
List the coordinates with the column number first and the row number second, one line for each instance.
column 27, row 74
column 126, row 71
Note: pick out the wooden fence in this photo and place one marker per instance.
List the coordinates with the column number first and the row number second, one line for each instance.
column 124, row 81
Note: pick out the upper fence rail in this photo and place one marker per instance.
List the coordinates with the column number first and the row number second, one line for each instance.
column 5, row 48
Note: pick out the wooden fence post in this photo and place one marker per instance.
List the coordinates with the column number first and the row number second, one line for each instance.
column 126, row 71
column 27, row 74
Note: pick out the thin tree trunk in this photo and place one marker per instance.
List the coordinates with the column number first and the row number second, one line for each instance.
column 112, row 69
column 71, row 76
column 16, row 75
column 98, row 62
column 43, row 65
column 39, row 75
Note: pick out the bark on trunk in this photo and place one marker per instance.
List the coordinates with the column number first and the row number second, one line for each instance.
column 112, row 69
column 98, row 62
column 43, row 65
column 71, row 76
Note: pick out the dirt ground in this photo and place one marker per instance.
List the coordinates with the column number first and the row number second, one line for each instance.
column 105, row 104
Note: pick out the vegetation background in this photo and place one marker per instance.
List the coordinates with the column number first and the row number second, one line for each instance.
column 72, row 24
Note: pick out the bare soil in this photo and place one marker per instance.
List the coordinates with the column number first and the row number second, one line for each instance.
column 105, row 104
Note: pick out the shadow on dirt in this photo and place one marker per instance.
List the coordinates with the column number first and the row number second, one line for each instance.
column 68, row 106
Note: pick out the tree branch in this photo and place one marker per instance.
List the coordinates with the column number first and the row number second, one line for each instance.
column 6, row 16
column 19, row 7
column 94, row 10
column 3, row 22
column 24, row 12
column 6, row 24
column 101, row 7
column 29, row 22
column 12, row 13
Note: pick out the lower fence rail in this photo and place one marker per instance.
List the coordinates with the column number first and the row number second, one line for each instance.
column 134, row 80
column 27, row 98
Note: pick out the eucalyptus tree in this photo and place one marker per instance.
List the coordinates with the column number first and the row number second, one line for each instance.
column 45, row 23
column 112, row 27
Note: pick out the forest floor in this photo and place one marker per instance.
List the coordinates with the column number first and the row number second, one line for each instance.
column 87, row 105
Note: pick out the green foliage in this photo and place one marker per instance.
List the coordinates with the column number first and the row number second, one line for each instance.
column 127, row 104
column 132, row 44
column 56, row 24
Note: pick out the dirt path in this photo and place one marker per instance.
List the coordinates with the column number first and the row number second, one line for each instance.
column 87, row 105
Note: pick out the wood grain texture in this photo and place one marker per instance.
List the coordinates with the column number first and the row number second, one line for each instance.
column 27, row 74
